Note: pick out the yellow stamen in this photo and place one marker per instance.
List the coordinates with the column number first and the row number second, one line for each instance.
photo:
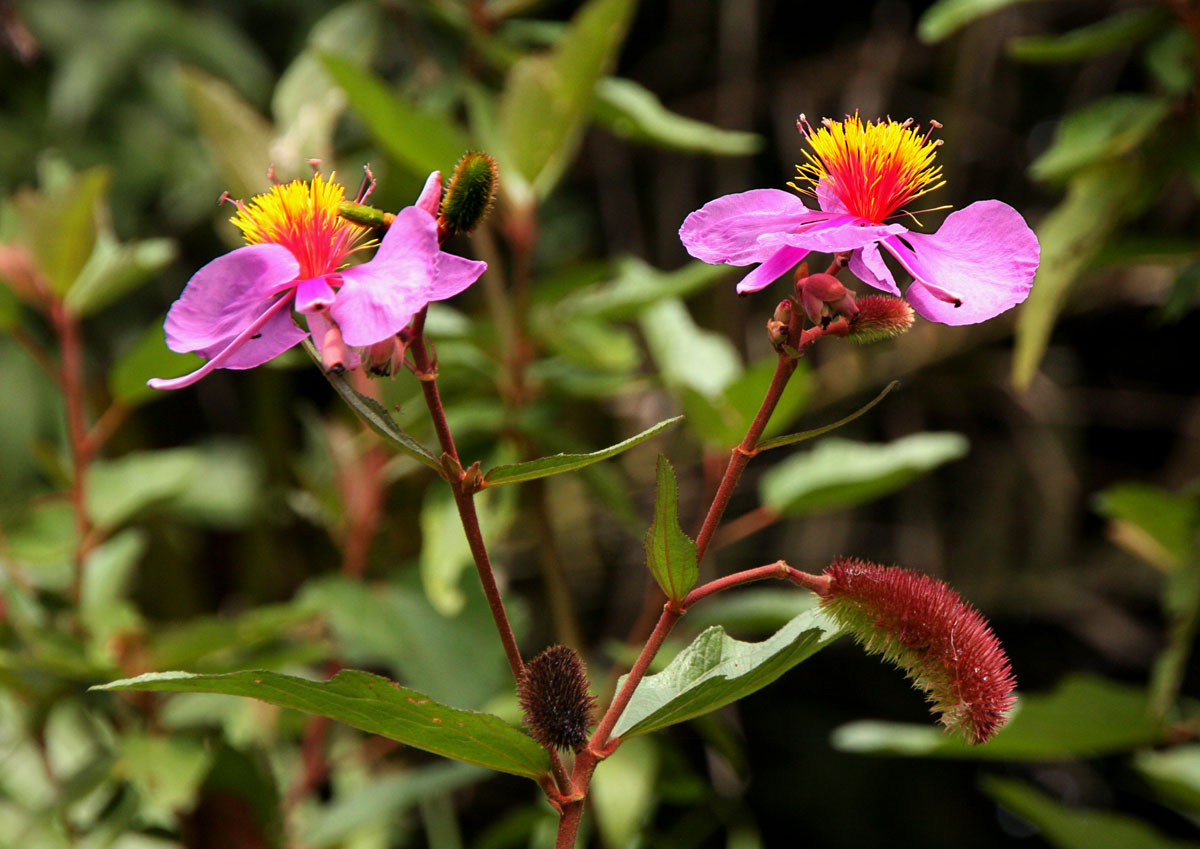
column 303, row 217
column 873, row 168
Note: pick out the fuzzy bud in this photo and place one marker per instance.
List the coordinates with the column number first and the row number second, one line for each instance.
column 470, row 193
column 823, row 296
column 554, row 695
column 880, row 317
column 942, row 643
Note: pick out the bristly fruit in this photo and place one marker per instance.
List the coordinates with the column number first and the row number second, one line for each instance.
column 554, row 695
column 880, row 317
column 470, row 193
column 942, row 643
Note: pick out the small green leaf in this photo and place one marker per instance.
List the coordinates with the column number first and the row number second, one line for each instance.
column 1097, row 200
column 376, row 417
column 1100, row 131
column 165, row 771
column 839, row 473
column 373, row 704
column 946, row 17
column 633, row 112
column 547, row 97
column 147, row 357
column 635, row 286
column 1078, row 828
column 59, row 225
column 686, row 354
column 1084, row 716
column 1114, row 32
column 238, row 137
column 1167, row 521
column 1175, row 774
column 793, row 438
column 383, row 800
column 559, row 463
column 1171, row 59
column 717, row 669
column 670, row 553
column 420, row 140
column 115, row 269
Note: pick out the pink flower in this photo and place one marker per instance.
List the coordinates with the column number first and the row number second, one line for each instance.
column 237, row 310
column 979, row 264
column 943, row 644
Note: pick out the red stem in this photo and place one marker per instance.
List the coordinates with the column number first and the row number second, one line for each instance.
column 70, row 376
column 741, row 454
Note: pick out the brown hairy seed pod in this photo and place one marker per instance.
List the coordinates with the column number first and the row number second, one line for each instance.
column 554, row 695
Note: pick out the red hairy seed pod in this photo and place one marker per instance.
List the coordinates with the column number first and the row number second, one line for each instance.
column 554, row 695
column 942, row 643
column 880, row 317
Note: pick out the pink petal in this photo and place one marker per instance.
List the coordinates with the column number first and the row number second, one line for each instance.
column 452, row 274
column 984, row 257
column 313, row 294
column 843, row 233
column 868, row 266
column 827, row 200
column 263, row 338
column 772, row 268
column 728, row 230
column 319, row 324
column 379, row 297
column 227, row 295
column 430, row 198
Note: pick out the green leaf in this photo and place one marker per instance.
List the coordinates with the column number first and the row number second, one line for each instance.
column 445, row 553
column 307, row 103
column 115, row 269
column 420, row 140
column 1159, row 526
column 624, row 793
column 237, row 136
column 1175, row 774
column 224, row 643
column 1104, row 130
column 59, row 225
column 1114, row 32
column 166, row 772
column 376, row 417
column 1074, row 828
column 793, row 438
column 1085, row 716
column 716, row 670
column 387, row 625
column 547, row 98
column 635, row 286
column 1171, row 59
column 1097, row 200
column 722, row 420
column 1182, row 299
column 217, row 484
column 374, row 704
column 559, row 463
column 670, row 553
column 635, row 113
column 839, row 473
column 686, row 354
column 946, row 17
column 147, row 357
column 384, row 799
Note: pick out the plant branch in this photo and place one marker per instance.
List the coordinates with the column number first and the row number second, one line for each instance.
column 70, row 377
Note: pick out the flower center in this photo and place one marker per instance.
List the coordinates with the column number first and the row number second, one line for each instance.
column 302, row 216
column 873, row 168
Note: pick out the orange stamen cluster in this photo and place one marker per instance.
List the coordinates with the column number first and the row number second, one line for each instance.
column 873, row 168
column 302, row 216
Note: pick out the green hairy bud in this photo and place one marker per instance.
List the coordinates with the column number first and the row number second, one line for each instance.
column 470, row 193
